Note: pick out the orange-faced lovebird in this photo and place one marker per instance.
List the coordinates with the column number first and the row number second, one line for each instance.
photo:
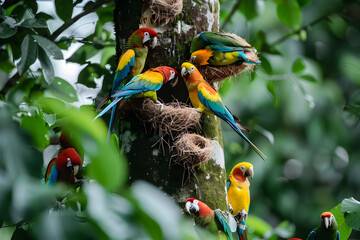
column 216, row 221
column 206, row 99
column 143, row 85
column 327, row 230
column 238, row 187
column 63, row 168
column 131, row 63
column 219, row 49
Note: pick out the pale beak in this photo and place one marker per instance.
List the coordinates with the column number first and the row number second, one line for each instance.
column 249, row 172
column 76, row 169
column 174, row 82
column 188, row 206
column 153, row 42
column 184, row 72
column 327, row 222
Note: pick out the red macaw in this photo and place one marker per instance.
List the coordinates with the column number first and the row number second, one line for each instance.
column 143, row 85
column 216, row 221
column 63, row 168
column 131, row 63
column 206, row 99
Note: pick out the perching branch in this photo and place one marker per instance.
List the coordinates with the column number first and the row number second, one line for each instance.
column 53, row 36
column 306, row 27
column 233, row 10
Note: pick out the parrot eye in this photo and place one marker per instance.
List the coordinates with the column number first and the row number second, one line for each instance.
column 191, row 69
column 193, row 57
column 242, row 168
column 146, row 34
column 195, row 201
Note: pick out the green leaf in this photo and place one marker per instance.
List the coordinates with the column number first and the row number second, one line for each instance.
column 82, row 55
column 63, row 90
column 108, row 52
column 257, row 226
column 31, row 4
column 50, row 47
column 20, row 92
column 248, row 8
column 36, row 126
column 303, row 35
column 34, row 23
column 349, row 66
column 289, row 13
column 46, row 66
column 89, row 73
column 8, row 28
column 28, row 54
column 265, row 64
column 298, row 66
column 42, row 15
column 351, row 209
column 64, row 9
column 303, row 2
column 309, row 78
column 2, row 12
column 271, row 88
column 343, row 228
column 225, row 86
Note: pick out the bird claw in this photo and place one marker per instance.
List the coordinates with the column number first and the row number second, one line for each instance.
column 161, row 105
column 240, row 216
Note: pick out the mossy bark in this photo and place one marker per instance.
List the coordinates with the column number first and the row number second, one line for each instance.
column 148, row 159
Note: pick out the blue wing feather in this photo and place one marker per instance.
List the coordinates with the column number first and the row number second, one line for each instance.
column 53, row 175
column 228, row 184
column 224, row 224
column 223, row 48
column 122, row 74
column 312, row 235
column 338, row 235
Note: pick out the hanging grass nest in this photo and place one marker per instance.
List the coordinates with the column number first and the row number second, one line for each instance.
column 220, row 73
column 192, row 149
column 161, row 11
column 166, row 10
column 170, row 120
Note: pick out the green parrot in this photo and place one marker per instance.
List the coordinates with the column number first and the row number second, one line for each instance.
column 327, row 230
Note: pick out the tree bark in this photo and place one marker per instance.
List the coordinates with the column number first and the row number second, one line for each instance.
column 147, row 159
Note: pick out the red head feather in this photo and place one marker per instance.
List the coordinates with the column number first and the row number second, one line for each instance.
column 62, row 158
column 326, row 214
column 204, row 209
column 140, row 32
column 166, row 72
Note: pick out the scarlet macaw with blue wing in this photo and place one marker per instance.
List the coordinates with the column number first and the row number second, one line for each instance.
column 143, row 85
column 216, row 221
column 63, row 168
column 130, row 64
column 206, row 99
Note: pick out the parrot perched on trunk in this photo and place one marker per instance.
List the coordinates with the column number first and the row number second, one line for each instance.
column 219, row 49
column 327, row 230
column 131, row 63
column 206, row 99
column 238, row 187
column 143, row 85
column 63, row 168
column 216, row 221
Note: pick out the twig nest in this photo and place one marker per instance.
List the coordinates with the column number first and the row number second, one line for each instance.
column 192, row 149
column 220, row 73
column 162, row 11
column 170, row 119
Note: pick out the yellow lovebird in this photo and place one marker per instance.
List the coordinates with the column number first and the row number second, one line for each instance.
column 238, row 187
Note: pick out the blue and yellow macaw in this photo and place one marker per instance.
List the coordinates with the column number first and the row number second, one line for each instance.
column 219, row 49
column 131, row 63
column 143, row 85
column 216, row 221
column 238, row 187
column 63, row 168
column 327, row 230
column 206, row 99
column 218, row 55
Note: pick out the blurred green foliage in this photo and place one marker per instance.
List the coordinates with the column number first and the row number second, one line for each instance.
column 302, row 105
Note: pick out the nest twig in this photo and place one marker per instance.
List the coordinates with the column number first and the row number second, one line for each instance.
column 192, row 149
column 165, row 10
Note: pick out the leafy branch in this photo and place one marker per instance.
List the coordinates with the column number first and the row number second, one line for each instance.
column 11, row 82
column 233, row 10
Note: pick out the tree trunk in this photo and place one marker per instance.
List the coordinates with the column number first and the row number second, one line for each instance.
column 149, row 160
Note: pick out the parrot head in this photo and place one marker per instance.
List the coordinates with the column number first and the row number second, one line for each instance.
column 168, row 73
column 196, row 207
column 143, row 37
column 242, row 170
column 190, row 73
column 201, row 57
column 68, row 160
column 328, row 219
